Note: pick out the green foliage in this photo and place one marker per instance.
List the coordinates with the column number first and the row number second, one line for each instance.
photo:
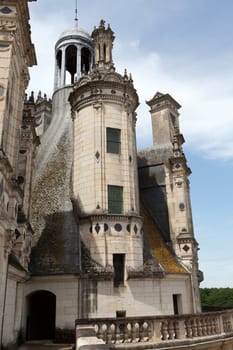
column 217, row 296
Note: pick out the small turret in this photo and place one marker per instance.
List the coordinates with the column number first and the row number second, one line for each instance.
column 74, row 55
column 103, row 43
column 164, row 115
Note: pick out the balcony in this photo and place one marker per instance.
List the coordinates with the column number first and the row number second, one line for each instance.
column 212, row 330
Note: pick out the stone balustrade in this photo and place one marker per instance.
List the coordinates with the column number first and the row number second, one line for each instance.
column 162, row 329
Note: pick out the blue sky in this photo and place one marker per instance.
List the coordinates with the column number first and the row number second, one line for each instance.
column 183, row 47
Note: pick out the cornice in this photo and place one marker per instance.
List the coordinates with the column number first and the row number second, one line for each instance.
column 118, row 92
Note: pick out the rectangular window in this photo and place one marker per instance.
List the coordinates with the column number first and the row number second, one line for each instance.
column 119, row 267
column 115, row 199
column 177, row 304
column 113, row 140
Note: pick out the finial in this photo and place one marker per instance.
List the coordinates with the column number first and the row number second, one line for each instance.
column 126, row 75
column 102, row 24
column 76, row 13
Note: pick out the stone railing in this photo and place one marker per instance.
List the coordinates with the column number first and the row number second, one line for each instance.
column 161, row 329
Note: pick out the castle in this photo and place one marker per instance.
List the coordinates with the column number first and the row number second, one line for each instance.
column 90, row 227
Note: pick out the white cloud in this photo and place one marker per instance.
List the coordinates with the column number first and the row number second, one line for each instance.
column 207, row 113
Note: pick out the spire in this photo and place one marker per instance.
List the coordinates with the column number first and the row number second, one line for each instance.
column 76, row 14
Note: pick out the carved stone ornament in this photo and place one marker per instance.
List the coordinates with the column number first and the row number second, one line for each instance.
column 8, row 27
column 6, row 10
column 8, row 242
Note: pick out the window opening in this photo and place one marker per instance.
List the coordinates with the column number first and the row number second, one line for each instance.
column 119, row 267
column 115, row 199
column 113, row 140
column 177, row 304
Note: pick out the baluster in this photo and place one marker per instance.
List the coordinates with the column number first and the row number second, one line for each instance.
column 118, row 335
column 135, row 335
column 144, row 331
column 218, row 325
column 199, row 328
column 100, row 333
column 194, row 327
column 122, row 331
column 164, row 330
column 127, row 336
column 224, row 324
column 216, row 329
column 188, row 328
column 170, row 330
column 110, row 332
column 105, row 329
column 177, row 330
column 149, row 330
column 204, row 329
column 210, row 325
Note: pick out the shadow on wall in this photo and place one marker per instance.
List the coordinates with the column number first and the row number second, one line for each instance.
column 153, row 194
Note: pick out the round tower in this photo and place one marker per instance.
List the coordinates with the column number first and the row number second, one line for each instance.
column 73, row 55
column 105, row 184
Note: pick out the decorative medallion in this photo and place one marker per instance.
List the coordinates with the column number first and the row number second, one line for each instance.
column 181, row 206
column 186, row 248
column 5, row 10
column 177, row 166
column 118, row 227
column 113, row 91
column 97, row 155
column 97, row 228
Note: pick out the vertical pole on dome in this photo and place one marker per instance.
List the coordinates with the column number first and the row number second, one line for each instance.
column 76, row 13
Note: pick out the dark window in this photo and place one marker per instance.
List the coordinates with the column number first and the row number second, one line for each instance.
column 113, row 140
column 177, row 303
column 115, row 199
column 119, row 266
column 121, row 313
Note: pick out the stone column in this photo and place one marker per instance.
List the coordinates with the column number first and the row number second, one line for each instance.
column 79, row 68
column 63, row 67
column 56, row 75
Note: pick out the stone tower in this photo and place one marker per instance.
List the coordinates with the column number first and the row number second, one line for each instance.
column 166, row 135
column 105, row 185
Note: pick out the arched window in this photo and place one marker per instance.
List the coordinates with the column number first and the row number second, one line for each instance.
column 71, row 61
column 85, row 60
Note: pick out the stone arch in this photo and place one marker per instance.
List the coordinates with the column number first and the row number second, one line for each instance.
column 71, row 61
column 85, row 60
column 41, row 315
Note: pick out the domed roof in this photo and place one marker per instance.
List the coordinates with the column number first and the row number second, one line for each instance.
column 74, row 32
